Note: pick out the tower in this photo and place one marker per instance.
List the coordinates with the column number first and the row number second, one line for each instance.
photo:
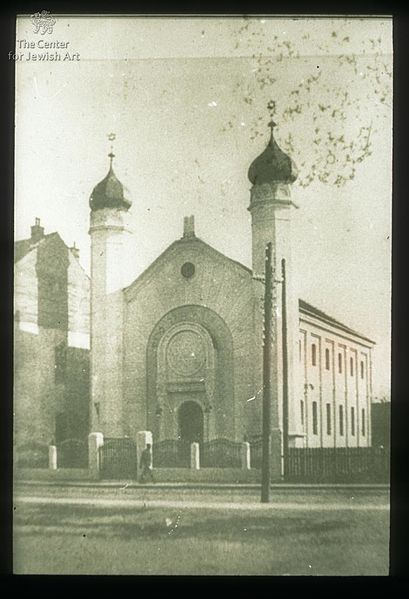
column 109, row 231
column 271, row 208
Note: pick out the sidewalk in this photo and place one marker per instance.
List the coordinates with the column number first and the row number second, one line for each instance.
column 132, row 484
column 191, row 504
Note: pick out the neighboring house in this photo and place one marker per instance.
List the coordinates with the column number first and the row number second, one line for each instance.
column 51, row 341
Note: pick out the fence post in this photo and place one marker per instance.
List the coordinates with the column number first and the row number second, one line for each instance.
column 95, row 441
column 245, row 455
column 194, row 456
column 52, row 457
column 142, row 440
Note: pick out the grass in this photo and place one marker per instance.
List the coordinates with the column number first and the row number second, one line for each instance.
column 79, row 540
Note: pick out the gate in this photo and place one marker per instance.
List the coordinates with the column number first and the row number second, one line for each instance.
column 171, row 453
column 220, row 453
column 72, row 453
column 118, row 458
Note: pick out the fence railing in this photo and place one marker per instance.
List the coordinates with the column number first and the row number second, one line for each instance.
column 220, row 453
column 341, row 464
column 31, row 455
column 171, row 453
column 72, row 453
column 118, row 458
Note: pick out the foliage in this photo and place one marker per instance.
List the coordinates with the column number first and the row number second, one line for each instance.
column 337, row 110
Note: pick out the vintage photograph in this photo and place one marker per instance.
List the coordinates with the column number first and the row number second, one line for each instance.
column 202, row 295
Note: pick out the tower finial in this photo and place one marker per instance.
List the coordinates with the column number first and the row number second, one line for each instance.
column 111, row 155
column 110, row 193
column 272, row 124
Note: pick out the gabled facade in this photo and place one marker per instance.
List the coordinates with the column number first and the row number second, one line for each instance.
column 179, row 352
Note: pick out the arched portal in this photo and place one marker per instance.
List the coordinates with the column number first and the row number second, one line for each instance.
column 190, row 358
column 190, row 416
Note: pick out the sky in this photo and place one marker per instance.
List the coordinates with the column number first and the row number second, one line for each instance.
column 187, row 100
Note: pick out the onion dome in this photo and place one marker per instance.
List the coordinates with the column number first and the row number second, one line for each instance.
column 273, row 165
column 109, row 193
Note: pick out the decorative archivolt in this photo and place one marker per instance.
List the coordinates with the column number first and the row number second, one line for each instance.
column 186, row 355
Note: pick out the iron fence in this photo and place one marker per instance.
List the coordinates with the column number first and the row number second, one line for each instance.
column 118, row 458
column 171, row 453
column 31, row 455
column 72, row 453
column 220, row 453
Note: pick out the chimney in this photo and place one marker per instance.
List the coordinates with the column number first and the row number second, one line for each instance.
column 189, row 226
column 75, row 251
column 37, row 231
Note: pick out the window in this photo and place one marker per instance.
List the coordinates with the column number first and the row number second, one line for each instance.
column 299, row 349
column 188, row 270
column 328, row 406
column 363, row 422
column 362, row 369
column 353, row 421
column 302, row 412
column 351, row 366
column 327, row 359
column 60, row 362
column 313, row 354
column 341, row 421
column 340, row 363
column 314, row 418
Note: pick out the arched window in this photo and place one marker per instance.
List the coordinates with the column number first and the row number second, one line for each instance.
column 340, row 363
column 362, row 369
column 351, row 366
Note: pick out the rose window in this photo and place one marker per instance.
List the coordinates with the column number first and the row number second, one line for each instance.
column 186, row 353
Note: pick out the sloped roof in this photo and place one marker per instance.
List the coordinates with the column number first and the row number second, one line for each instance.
column 23, row 246
column 179, row 242
column 21, row 249
column 304, row 306
column 312, row 311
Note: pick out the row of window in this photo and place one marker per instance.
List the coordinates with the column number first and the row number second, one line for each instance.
column 328, row 408
column 340, row 361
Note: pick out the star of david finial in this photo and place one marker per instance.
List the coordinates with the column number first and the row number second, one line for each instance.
column 111, row 155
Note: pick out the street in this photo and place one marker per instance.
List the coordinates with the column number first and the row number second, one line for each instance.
column 129, row 529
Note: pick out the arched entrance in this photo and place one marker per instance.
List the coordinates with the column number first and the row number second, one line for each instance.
column 191, row 422
column 190, row 358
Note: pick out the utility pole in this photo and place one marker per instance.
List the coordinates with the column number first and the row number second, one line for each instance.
column 285, row 368
column 268, row 306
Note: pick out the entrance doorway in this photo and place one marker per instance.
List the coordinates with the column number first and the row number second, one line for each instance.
column 191, row 422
